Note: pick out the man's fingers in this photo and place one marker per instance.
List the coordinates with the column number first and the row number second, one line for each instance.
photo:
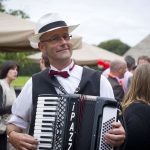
column 116, row 135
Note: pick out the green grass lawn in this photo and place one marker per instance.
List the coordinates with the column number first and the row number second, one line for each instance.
column 20, row 81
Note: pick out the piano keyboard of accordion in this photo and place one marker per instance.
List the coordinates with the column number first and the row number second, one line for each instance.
column 59, row 124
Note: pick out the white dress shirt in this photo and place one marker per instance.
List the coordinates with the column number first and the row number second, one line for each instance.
column 21, row 110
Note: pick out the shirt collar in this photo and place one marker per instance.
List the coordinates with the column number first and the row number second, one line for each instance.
column 115, row 77
column 68, row 68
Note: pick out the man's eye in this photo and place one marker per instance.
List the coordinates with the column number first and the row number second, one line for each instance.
column 65, row 37
column 54, row 39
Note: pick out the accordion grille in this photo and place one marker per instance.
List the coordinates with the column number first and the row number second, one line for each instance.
column 60, row 124
column 106, row 127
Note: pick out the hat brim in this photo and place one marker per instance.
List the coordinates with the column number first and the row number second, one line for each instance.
column 35, row 39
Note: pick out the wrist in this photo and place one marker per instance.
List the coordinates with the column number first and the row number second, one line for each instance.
column 12, row 130
column 9, row 133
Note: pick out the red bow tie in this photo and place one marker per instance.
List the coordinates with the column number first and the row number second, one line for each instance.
column 64, row 74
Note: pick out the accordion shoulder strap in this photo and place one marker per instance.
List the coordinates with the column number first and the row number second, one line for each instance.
column 56, row 84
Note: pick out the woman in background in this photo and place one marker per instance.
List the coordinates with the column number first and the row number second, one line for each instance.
column 136, row 106
column 8, row 73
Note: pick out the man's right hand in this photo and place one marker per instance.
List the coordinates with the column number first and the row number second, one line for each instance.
column 22, row 141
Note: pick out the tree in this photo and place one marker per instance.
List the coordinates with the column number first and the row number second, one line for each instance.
column 115, row 46
column 13, row 12
column 26, row 66
column 18, row 13
column 1, row 6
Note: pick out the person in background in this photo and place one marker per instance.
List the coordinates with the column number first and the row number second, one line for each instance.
column 8, row 73
column 143, row 60
column 130, row 61
column 44, row 62
column 117, row 71
column 53, row 38
column 136, row 110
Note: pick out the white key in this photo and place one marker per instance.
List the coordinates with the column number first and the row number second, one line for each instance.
column 45, row 146
column 41, row 105
column 50, row 98
column 40, row 132
column 50, row 103
column 42, row 109
column 38, row 123
column 44, row 128
column 48, row 118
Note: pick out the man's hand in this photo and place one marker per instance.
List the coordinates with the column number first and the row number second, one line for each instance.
column 115, row 136
column 22, row 141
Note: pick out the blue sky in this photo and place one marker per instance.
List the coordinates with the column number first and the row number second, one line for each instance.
column 100, row 20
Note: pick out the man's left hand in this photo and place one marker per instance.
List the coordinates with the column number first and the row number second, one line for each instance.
column 115, row 136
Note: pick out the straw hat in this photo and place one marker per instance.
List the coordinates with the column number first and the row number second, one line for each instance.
column 47, row 23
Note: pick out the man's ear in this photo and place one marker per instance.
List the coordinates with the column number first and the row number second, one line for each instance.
column 42, row 46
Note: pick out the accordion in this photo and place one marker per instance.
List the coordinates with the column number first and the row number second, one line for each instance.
column 73, row 122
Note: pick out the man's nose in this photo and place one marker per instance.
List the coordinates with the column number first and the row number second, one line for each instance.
column 63, row 40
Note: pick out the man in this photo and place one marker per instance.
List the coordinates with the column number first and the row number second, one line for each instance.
column 143, row 60
column 117, row 71
column 53, row 38
column 130, row 61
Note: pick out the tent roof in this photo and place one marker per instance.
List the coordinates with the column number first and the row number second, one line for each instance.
column 85, row 54
column 89, row 55
column 14, row 33
column 142, row 48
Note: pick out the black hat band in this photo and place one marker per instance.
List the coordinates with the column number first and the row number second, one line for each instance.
column 52, row 25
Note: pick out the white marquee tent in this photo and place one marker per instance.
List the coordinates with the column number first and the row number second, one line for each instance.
column 14, row 33
column 89, row 55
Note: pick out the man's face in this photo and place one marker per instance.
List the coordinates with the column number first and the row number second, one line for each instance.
column 143, row 61
column 122, row 71
column 57, row 45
